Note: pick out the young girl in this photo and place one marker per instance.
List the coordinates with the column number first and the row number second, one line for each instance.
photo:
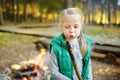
column 73, row 41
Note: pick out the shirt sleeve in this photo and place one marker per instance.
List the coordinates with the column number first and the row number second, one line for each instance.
column 90, row 76
column 54, row 69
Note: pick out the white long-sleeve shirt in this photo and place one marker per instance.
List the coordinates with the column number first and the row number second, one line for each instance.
column 54, row 68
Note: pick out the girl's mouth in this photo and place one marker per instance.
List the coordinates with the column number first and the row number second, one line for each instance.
column 71, row 36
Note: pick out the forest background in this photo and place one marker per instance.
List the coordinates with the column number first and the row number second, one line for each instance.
column 44, row 11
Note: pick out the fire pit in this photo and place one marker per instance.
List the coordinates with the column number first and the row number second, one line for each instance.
column 34, row 69
column 30, row 72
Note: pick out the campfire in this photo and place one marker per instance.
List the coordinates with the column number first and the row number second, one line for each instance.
column 33, row 69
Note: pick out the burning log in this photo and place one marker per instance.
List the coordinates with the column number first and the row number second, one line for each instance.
column 27, row 68
column 26, row 74
column 27, row 71
column 34, row 69
column 31, row 71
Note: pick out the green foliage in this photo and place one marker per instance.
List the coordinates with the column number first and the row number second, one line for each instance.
column 51, row 5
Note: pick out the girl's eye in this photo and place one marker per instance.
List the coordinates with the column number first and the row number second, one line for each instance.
column 76, row 26
column 67, row 26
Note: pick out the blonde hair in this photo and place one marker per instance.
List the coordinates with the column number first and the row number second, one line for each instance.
column 70, row 11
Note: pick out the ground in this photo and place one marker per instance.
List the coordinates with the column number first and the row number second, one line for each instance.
column 104, row 69
column 16, row 50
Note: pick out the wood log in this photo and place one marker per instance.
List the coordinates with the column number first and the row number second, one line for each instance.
column 107, row 48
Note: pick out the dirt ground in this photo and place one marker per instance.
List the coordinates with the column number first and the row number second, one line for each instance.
column 103, row 69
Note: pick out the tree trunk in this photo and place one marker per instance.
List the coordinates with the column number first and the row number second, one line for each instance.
column 115, row 8
column 1, row 14
column 102, row 10
column 109, row 14
column 25, row 14
column 88, row 10
column 68, row 3
column 18, row 16
column 40, row 10
column 14, row 10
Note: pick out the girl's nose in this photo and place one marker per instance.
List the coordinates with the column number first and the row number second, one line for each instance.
column 71, row 29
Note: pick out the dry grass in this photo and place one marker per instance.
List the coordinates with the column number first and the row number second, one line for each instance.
column 111, row 32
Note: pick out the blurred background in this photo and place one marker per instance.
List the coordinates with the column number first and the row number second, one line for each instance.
column 26, row 25
column 44, row 11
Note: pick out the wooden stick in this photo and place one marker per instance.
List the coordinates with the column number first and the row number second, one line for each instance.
column 73, row 61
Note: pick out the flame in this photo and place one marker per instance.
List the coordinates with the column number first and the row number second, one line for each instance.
column 15, row 66
column 24, row 78
column 31, row 61
column 39, row 63
column 36, row 67
column 30, row 78
column 42, row 51
column 39, row 57
column 38, row 60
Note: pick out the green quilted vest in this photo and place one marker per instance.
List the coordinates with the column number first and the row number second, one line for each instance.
column 59, row 46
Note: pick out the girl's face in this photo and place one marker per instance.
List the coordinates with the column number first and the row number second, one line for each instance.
column 71, row 26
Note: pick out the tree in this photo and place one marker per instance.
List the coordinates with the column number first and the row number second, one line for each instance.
column 115, row 8
column 102, row 10
column 14, row 10
column 109, row 13
column 68, row 3
column 25, row 14
column 88, row 10
column 1, row 13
